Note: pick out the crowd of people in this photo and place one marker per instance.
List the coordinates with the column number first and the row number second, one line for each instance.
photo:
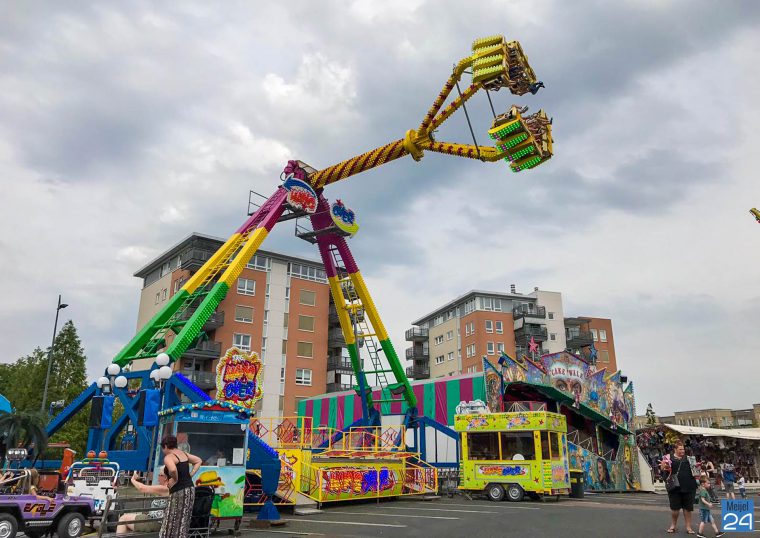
column 718, row 453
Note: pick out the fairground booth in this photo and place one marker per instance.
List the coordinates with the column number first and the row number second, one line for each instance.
column 598, row 408
column 739, row 447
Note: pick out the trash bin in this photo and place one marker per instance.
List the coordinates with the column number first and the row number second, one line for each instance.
column 576, row 484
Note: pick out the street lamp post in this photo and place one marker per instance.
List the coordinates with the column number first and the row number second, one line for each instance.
column 50, row 353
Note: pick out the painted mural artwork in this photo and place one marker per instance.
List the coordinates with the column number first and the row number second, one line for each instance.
column 229, row 487
column 494, row 387
column 599, row 390
column 238, row 378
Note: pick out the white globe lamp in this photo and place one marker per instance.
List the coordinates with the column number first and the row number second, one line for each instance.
column 165, row 372
column 120, row 382
column 163, row 359
column 113, row 369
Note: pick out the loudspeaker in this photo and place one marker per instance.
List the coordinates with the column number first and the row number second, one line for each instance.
column 148, row 406
column 101, row 413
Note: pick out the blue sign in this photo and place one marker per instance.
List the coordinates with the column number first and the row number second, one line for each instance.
column 737, row 515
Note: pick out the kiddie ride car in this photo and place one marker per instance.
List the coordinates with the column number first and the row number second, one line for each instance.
column 36, row 514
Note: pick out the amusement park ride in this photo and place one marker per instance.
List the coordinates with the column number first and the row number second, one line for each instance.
column 523, row 141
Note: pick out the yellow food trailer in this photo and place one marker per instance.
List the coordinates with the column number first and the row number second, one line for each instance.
column 509, row 455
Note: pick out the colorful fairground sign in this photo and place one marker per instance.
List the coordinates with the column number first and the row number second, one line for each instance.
column 344, row 218
column 301, row 195
column 238, row 378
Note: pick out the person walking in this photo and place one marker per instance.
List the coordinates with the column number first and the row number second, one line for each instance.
column 705, row 503
column 681, row 486
column 742, row 486
column 729, row 477
column 179, row 476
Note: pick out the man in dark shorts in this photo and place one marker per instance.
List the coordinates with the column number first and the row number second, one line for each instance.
column 682, row 497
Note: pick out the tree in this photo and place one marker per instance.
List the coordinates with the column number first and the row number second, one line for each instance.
column 23, row 381
column 651, row 417
column 23, row 429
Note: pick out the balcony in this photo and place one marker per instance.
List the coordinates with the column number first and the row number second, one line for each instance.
column 204, row 380
column 208, row 349
column 335, row 338
column 416, row 334
column 418, row 372
column 526, row 332
column 579, row 339
column 214, row 322
column 339, row 363
column 525, row 350
column 417, row 353
column 529, row 311
column 333, row 316
column 338, row 387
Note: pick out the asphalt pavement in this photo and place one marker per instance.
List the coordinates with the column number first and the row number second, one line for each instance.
column 597, row 515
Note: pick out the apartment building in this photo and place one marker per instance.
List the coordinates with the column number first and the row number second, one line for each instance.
column 279, row 308
column 454, row 338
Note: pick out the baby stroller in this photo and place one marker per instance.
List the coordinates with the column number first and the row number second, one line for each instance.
column 200, row 522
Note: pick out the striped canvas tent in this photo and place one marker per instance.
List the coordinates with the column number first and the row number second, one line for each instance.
column 436, row 399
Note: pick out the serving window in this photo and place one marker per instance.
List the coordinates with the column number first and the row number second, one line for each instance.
column 214, row 443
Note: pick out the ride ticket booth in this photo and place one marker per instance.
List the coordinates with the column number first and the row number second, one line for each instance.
column 215, row 431
column 510, row 455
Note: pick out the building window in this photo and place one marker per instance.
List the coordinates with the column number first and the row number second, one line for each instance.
column 307, row 297
column 439, row 339
column 450, row 335
column 246, row 286
column 242, row 341
column 262, row 263
column 244, row 314
column 490, row 304
column 551, row 315
column 602, row 335
column 303, row 376
column 306, row 323
column 266, row 317
column 305, row 349
column 594, row 335
column 489, row 348
column 552, row 336
column 499, row 327
column 158, row 297
column 308, row 272
column 451, row 355
column 263, row 345
column 500, row 347
column 439, row 359
column 489, row 326
column 604, row 355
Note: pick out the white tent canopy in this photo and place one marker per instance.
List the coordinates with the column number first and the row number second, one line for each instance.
column 737, row 433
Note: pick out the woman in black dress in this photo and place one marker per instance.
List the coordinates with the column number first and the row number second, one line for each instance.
column 682, row 497
column 178, row 470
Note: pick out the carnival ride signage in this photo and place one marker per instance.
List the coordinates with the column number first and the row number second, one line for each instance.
column 300, row 194
column 238, row 378
column 344, row 218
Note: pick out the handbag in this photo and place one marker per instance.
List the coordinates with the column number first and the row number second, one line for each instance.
column 671, row 482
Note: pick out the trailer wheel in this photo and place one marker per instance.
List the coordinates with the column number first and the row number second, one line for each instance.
column 495, row 492
column 8, row 526
column 515, row 493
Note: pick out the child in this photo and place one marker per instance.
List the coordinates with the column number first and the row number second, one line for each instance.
column 742, row 487
column 704, row 508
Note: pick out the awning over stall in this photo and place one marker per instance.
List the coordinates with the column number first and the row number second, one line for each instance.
column 752, row 434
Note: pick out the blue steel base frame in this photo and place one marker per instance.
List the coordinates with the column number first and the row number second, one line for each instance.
column 102, row 439
column 418, row 424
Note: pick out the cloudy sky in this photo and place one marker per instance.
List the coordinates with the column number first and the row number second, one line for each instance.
column 125, row 127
